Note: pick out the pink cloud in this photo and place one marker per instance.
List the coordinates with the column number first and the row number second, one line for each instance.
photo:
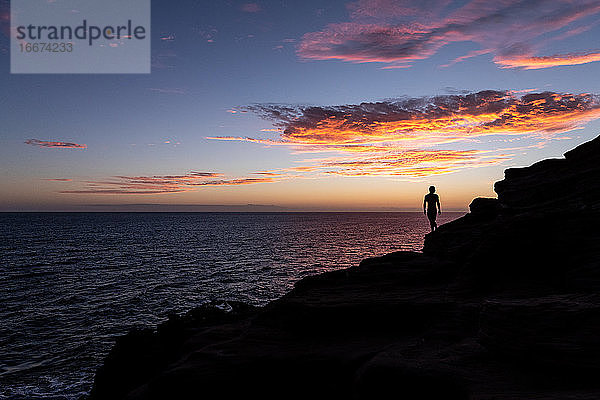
column 5, row 18
column 167, row 38
column 118, row 191
column 400, row 33
column 168, row 90
column 60, row 145
column 162, row 184
column 250, row 7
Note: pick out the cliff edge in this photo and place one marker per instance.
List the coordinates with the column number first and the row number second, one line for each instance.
column 503, row 303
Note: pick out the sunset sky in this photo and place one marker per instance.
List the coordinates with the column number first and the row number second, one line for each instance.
column 308, row 105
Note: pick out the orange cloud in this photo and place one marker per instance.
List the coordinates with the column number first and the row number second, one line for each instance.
column 412, row 163
column 548, row 61
column 61, row 145
column 395, row 137
column 426, row 121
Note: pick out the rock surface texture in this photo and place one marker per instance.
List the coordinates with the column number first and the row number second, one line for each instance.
column 503, row 303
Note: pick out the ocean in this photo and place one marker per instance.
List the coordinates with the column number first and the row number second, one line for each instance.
column 73, row 282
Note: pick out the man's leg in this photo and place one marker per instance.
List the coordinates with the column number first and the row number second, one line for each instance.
column 432, row 222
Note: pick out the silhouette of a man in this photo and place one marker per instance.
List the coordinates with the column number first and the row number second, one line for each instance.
column 431, row 207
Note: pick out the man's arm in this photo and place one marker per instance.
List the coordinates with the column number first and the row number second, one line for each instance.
column 425, row 206
column 439, row 206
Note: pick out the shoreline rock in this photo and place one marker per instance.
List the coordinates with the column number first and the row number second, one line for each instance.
column 501, row 304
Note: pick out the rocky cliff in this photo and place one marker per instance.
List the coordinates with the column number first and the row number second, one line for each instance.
column 502, row 304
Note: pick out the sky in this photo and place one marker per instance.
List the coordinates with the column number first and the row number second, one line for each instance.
column 307, row 105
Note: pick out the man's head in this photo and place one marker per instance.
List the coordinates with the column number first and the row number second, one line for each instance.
column 431, row 189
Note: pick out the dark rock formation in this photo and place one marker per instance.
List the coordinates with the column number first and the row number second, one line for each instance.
column 502, row 304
